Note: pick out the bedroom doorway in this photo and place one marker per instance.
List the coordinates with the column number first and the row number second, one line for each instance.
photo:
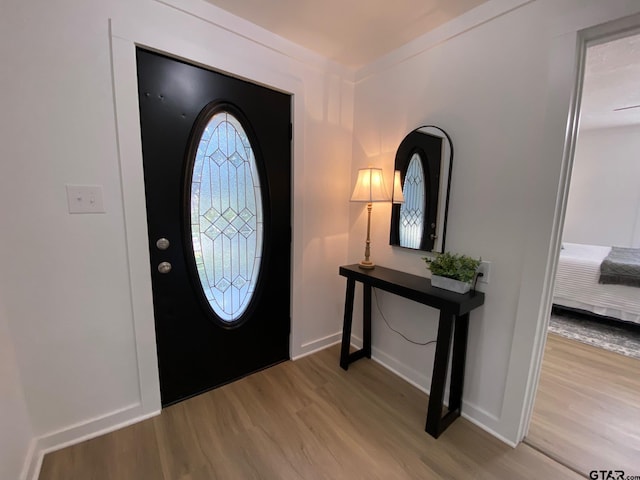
column 586, row 408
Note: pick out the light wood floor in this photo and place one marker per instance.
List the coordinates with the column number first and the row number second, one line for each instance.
column 300, row 420
column 587, row 410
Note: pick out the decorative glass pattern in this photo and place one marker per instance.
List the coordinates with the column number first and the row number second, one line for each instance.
column 226, row 216
column 412, row 210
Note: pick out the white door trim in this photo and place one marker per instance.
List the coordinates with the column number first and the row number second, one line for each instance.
column 125, row 36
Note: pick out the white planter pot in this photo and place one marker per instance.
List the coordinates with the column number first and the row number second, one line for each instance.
column 450, row 284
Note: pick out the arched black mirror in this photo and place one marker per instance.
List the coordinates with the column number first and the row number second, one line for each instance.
column 424, row 160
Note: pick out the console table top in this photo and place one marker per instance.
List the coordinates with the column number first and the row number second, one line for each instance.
column 414, row 287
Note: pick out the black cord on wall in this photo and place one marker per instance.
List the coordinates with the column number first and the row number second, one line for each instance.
column 475, row 281
column 375, row 294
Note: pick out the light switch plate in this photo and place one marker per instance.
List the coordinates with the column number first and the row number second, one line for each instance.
column 85, row 199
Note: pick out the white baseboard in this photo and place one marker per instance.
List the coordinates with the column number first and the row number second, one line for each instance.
column 31, row 463
column 409, row 374
column 422, row 382
column 489, row 430
column 317, row 345
column 80, row 432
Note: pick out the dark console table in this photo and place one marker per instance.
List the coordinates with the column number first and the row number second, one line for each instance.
column 452, row 327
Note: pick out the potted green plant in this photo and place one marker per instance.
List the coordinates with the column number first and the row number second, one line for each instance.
column 452, row 271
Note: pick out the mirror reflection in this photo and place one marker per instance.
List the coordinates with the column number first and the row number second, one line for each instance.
column 424, row 161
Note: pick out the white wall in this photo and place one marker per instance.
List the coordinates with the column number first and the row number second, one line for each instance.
column 16, row 433
column 67, row 279
column 81, row 338
column 499, row 89
column 15, row 427
column 604, row 197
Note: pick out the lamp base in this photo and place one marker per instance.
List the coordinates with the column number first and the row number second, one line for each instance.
column 366, row 265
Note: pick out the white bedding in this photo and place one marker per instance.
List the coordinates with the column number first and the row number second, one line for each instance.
column 577, row 285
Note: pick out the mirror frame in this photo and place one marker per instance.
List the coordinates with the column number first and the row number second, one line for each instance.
column 435, row 148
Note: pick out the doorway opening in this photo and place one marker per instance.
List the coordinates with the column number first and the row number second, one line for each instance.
column 587, row 395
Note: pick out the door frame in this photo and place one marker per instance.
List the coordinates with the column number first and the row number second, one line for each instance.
column 568, row 57
column 124, row 38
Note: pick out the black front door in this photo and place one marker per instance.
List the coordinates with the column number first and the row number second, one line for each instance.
column 217, row 168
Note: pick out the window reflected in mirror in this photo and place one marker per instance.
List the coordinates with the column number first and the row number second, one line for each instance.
column 424, row 161
column 412, row 210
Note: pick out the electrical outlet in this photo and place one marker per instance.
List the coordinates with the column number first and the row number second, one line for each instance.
column 485, row 269
column 85, row 199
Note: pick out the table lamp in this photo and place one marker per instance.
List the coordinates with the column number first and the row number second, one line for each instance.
column 369, row 188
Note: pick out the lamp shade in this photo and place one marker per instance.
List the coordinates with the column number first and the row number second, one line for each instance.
column 398, row 196
column 370, row 186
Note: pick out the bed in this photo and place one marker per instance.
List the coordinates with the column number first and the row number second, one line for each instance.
column 577, row 285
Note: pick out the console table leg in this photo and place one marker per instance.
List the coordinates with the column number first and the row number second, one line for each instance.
column 440, row 364
column 458, row 360
column 366, row 320
column 346, row 327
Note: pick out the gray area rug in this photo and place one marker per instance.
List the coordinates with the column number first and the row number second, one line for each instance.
column 613, row 336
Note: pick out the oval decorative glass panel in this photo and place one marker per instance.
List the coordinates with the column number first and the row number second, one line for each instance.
column 412, row 210
column 226, row 216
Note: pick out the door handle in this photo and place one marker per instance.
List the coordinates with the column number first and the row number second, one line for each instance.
column 164, row 267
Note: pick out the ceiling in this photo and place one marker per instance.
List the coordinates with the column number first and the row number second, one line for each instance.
column 356, row 32
column 612, row 84
column 351, row 32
